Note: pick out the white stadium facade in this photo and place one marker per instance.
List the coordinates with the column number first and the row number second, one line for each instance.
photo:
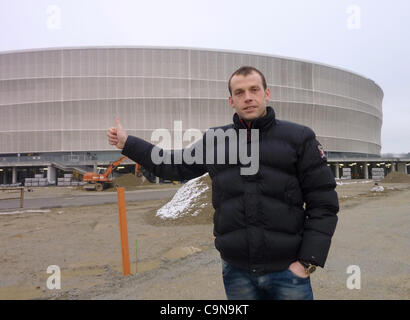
column 56, row 104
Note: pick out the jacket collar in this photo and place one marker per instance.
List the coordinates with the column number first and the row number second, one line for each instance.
column 261, row 123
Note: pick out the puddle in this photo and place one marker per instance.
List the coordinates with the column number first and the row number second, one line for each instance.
column 171, row 255
column 180, row 252
column 19, row 293
column 140, row 266
column 74, row 272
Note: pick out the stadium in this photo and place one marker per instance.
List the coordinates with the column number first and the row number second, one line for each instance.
column 56, row 104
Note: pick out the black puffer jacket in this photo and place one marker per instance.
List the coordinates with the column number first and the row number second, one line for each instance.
column 283, row 213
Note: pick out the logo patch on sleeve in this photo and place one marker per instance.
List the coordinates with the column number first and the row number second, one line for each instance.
column 321, row 151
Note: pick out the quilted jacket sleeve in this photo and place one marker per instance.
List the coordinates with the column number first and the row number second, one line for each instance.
column 318, row 188
column 173, row 167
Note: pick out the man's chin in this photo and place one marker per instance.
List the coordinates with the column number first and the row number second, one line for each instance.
column 249, row 117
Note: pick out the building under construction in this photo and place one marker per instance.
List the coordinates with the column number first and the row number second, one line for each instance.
column 56, row 104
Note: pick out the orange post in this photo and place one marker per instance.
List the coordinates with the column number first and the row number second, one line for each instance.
column 123, row 231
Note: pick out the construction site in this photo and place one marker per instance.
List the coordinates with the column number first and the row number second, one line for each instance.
column 171, row 246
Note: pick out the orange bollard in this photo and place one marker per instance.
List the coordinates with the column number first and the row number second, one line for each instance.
column 123, row 230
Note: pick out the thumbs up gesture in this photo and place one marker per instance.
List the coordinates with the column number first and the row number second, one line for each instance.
column 117, row 136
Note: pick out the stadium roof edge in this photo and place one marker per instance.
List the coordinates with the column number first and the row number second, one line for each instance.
column 196, row 49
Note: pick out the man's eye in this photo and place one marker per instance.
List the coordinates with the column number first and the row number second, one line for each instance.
column 239, row 93
column 255, row 89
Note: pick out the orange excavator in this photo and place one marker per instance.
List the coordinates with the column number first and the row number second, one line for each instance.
column 101, row 180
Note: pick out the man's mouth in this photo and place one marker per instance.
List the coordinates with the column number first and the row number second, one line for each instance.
column 249, row 109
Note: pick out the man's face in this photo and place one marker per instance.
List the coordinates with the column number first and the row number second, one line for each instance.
column 248, row 96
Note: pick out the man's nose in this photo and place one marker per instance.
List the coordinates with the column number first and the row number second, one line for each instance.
column 248, row 96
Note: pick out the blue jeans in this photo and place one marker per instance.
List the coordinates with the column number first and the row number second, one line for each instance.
column 283, row 285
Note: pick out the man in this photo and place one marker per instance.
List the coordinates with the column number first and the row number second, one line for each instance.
column 272, row 228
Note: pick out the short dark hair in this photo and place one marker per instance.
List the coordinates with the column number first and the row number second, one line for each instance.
column 244, row 71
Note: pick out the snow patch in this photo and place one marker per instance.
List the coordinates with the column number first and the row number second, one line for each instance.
column 184, row 200
column 24, row 211
column 377, row 189
column 340, row 183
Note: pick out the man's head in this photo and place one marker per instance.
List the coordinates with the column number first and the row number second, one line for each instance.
column 249, row 93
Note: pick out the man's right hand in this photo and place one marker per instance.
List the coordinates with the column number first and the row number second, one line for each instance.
column 117, row 136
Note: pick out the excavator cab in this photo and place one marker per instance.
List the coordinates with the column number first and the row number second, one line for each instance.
column 101, row 170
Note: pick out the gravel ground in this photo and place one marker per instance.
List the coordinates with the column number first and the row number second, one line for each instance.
column 179, row 261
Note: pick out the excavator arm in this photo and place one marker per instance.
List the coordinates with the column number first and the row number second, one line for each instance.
column 112, row 166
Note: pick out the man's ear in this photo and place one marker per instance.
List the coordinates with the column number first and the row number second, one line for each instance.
column 231, row 102
column 267, row 94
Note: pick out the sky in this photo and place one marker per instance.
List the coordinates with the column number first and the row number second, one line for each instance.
column 369, row 37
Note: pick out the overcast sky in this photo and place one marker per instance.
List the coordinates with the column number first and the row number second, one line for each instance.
column 370, row 37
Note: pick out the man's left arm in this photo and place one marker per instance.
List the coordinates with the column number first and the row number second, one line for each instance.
column 318, row 188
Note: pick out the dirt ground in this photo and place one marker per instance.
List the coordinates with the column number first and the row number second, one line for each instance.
column 177, row 259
